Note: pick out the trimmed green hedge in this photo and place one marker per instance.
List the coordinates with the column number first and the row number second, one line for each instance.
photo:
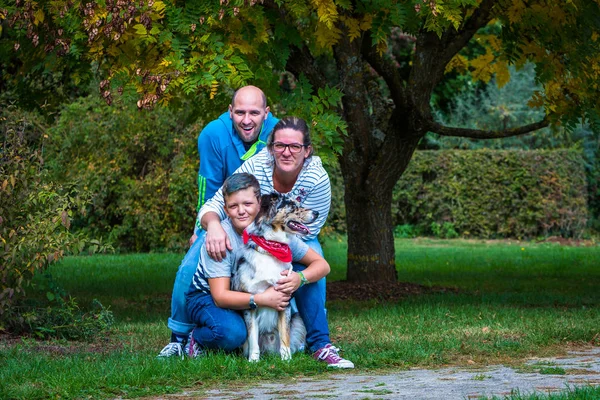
column 489, row 194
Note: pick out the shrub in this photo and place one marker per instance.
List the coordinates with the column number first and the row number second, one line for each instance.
column 490, row 194
column 35, row 213
column 59, row 317
column 489, row 107
column 406, row 231
column 140, row 167
column 444, row 231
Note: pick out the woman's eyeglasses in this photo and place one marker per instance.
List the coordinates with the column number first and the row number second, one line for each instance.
column 279, row 147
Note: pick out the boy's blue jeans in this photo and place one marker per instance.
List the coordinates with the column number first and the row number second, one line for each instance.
column 220, row 328
column 179, row 322
column 216, row 328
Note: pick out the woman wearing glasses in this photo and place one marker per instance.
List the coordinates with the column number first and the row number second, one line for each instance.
column 286, row 166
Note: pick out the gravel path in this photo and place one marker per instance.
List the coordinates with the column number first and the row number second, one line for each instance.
column 577, row 369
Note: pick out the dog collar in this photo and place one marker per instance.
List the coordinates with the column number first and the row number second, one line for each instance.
column 280, row 251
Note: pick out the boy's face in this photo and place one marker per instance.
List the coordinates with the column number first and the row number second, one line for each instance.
column 242, row 207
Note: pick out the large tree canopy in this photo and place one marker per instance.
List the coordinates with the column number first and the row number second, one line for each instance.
column 382, row 58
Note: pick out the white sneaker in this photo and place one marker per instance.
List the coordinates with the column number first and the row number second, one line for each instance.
column 171, row 350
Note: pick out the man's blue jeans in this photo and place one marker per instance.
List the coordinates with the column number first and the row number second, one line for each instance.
column 179, row 322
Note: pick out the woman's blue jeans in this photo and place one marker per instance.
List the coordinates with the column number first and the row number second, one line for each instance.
column 310, row 300
column 179, row 322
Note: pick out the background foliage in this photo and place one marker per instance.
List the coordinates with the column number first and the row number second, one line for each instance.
column 488, row 194
column 35, row 212
column 140, row 168
column 495, row 194
column 490, row 107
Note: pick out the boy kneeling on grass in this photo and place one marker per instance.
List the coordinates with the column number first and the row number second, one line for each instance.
column 214, row 307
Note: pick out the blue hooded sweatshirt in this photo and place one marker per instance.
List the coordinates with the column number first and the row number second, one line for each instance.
column 222, row 152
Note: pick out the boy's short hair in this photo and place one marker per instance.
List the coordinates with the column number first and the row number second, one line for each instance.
column 241, row 181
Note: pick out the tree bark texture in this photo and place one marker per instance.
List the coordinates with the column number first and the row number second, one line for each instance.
column 368, row 199
column 373, row 159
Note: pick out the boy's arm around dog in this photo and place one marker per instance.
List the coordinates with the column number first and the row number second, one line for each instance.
column 224, row 297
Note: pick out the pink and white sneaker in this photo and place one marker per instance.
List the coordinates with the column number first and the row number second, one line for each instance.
column 329, row 354
column 192, row 348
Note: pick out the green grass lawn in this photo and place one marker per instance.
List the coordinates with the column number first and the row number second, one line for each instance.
column 514, row 300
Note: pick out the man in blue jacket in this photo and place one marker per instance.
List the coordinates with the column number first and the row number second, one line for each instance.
column 223, row 145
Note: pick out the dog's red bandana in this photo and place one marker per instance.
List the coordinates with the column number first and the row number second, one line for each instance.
column 280, row 251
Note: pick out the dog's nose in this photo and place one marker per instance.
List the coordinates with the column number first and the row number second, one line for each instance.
column 315, row 214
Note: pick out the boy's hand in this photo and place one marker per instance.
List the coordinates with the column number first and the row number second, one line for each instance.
column 273, row 298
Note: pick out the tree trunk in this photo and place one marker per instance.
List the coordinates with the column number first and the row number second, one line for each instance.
column 369, row 185
column 371, row 255
column 376, row 153
column 384, row 126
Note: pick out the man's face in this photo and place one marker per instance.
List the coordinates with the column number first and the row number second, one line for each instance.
column 242, row 207
column 248, row 113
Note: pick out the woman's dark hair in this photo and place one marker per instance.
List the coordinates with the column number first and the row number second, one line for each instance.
column 241, row 181
column 295, row 123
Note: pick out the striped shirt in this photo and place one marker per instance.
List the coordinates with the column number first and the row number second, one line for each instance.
column 312, row 188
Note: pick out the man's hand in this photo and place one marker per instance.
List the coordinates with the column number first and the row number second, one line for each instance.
column 288, row 283
column 217, row 242
column 273, row 298
column 193, row 239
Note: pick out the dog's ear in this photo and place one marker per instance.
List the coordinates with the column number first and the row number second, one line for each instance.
column 265, row 201
column 267, row 205
column 273, row 197
column 275, row 201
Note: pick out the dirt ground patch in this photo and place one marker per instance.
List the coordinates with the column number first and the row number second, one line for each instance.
column 381, row 291
column 569, row 241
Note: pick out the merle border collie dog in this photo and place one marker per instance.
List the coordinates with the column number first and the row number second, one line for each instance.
column 259, row 265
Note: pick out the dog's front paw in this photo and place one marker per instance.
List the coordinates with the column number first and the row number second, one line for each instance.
column 254, row 357
column 286, row 353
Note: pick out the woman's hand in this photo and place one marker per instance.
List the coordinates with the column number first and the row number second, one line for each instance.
column 217, row 242
column 289, row 283
column 273, row 298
